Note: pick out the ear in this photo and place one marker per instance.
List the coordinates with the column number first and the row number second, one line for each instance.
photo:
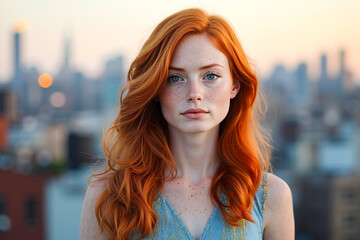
column 235, row 89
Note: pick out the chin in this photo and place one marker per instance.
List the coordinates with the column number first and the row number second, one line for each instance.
column 197, row 129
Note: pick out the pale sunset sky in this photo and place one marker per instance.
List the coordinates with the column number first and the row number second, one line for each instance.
column 271, row 31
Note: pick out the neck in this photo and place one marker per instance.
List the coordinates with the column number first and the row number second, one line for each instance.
column 195, row 155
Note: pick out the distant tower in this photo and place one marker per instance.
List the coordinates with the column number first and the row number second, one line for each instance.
column 66, row 53
column 342, row 62
column 17, row 61
column 17, row 81
column 345, row 79
column 323, row 67
column 17, row 64
column 342, row 74
column 302, row 88
column 65, row 68
column 65, row 78
column 113, row 81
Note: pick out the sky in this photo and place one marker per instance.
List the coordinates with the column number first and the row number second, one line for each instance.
column 271, row 32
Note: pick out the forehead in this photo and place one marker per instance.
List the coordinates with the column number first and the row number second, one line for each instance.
column 196, row 50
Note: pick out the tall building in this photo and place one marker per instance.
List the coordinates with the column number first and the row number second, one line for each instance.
column 323, row 75
column 342, row 62
column 17, row 81
column 113, row 81
column 345, row 77
column 331, row 205
column 34, row 91
column 328, row 88
column 64, row 81
column 67, row 53
column 302, row 85
column 8, row 105
column 65, row 67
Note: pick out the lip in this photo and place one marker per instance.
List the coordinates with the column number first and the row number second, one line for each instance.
column 195, row 110
column 194, row 113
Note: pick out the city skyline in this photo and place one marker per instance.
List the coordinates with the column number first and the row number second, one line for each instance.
column 100, row 28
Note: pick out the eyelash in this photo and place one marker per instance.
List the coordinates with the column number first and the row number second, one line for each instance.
column 171, row 76
column 212, row 74
column 206, row 75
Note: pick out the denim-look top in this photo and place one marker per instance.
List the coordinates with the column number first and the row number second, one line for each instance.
column 170, row 225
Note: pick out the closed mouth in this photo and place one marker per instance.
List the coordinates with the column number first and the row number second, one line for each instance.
column 194, row 110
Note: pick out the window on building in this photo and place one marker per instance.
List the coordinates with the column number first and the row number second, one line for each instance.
column 349, row 196
column 31, row 217
column 350, row 237
column 2, row 204
column 5, row 222
column 349, row 220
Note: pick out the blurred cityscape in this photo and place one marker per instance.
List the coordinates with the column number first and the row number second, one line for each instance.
column 51, row 128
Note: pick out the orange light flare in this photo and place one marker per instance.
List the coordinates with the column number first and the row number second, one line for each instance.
column 45, row 80
column 21, row 25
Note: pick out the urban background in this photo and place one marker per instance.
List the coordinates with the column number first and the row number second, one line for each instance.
column 52, row 123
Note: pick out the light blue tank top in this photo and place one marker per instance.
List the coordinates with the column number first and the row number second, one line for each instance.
column 170, row 225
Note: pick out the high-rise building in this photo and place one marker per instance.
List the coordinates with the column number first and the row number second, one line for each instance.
column 17, row 81
column 323, row 75
column 64, row 81
column 345, row 78
column 302, row 85
column 113, row 81
column 331, row 204
column 328, row 88
column 342, row 62
column 66, row 68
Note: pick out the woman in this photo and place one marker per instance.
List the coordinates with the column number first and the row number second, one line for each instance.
column 186, row 155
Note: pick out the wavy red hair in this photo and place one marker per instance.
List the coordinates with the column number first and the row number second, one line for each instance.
column 136, row 144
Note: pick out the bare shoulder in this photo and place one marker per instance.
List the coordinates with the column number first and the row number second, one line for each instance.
column 278, row 213
column 95, row 188
column 88, row 222
column 278, row 191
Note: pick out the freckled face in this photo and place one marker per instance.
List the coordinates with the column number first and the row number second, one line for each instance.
column 196, row 96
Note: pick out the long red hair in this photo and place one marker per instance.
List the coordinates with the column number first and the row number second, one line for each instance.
column 136, row 144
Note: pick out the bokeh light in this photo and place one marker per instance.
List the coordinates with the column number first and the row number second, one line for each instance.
column 20, row 25
column 5, row 223
column 45, row 80
column 58, row 99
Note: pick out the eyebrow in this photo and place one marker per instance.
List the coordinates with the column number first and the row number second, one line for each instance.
column 201, row 68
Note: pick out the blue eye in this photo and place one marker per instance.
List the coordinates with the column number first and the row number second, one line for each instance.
column 174, row 79
column 211, row 76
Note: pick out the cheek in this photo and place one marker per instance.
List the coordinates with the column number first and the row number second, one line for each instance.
column 220, row 99
column 169, row 100
column 220, row 96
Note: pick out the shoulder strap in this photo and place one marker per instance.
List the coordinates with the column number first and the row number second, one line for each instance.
column 264, row 186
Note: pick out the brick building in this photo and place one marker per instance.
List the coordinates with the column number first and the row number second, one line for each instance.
column 21, row 206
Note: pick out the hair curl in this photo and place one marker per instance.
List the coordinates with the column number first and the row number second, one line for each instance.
column 136, row 144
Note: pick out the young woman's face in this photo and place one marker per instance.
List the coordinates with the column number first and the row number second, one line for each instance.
column 196, row 96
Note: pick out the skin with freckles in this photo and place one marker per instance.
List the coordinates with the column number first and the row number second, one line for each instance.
column 194, row 100
column 200, row 79
column 191, row 201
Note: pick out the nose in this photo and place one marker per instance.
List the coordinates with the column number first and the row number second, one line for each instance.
column 194, row 91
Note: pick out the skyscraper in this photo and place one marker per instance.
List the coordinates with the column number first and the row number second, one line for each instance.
column 17, row 81
column 302, row 85
column 16, row 84
column 345, row 80
column 323, row 67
